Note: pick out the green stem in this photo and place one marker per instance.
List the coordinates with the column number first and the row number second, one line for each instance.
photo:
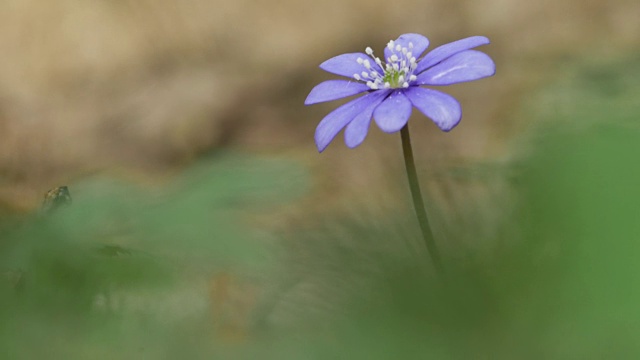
column 418, row 203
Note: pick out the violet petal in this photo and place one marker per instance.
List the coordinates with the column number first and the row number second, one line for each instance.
column 336, row 120
column 333, row 90
column 443, row 109
column 393, row 113
column 357, row 130
column 347, row 64
column 444, row 51
column 420, row 44
column 464, row 66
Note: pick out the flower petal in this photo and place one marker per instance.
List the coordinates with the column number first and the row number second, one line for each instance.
column 420, row 44
column 331, row 125
column 333, row 90
column 464, row 66
column 393, row 113
column 347, row 64
column 443, row 109
column 357, row 130
column 444, row 51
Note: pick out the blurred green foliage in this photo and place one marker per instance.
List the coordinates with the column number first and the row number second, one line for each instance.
column 96, row 279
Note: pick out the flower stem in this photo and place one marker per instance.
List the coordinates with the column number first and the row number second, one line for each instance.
column 418, row 203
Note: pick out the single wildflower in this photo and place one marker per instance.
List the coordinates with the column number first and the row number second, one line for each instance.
column 393, row 86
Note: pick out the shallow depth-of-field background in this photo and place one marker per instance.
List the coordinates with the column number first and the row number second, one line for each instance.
column 205, row 224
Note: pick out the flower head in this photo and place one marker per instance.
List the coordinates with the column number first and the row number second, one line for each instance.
column 392, row 86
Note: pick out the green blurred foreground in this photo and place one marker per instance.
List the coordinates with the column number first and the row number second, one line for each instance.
column 124, row 273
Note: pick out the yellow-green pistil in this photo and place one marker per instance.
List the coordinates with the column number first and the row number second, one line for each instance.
column 395, row 79
column 397, row 71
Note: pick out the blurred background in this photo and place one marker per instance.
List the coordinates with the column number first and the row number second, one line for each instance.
column 145, row 87
column 204, row 222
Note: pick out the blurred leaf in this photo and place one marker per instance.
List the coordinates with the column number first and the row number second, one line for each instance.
column 120, row 246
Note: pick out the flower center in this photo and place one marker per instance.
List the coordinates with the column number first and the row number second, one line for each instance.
column 397, row 71
column 394, row 78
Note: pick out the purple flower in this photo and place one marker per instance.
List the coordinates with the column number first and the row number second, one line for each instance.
column 393, row 87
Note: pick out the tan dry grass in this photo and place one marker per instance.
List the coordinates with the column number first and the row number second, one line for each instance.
column 87, row 85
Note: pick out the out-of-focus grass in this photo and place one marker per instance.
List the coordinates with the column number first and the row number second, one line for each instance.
column 124, row 271
column 564, row 289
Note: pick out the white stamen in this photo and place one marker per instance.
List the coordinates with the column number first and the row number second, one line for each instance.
column 398, row 68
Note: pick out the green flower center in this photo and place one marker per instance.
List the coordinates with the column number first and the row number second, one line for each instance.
column 394, row 78
column 397, row 71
